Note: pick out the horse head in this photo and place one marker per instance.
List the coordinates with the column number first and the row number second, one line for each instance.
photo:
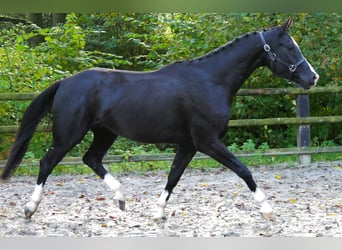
column 284, row 57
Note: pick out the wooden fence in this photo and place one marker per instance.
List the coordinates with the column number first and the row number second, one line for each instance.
column 302, row 120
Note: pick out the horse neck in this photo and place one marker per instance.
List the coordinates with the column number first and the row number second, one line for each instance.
column 230, row 65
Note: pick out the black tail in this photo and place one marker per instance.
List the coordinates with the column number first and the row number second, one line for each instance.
column 38, row 108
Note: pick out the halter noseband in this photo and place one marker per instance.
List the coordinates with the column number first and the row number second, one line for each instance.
column 273, row 57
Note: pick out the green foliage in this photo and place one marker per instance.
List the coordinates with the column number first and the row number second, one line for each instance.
column 63, row 47
column 147, row 41
column 137, row 39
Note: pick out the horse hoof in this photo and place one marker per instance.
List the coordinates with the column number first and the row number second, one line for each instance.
column 120, row 204
column 29, row 209
column 160, row 219
column 28, row 213
column 266, row 211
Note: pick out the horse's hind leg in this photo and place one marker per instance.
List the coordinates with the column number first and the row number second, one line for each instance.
column 103, row 139
column 65, row 137
column 53, row 156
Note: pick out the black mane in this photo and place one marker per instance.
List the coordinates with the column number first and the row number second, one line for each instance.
column 217, row 50
column 221, row 48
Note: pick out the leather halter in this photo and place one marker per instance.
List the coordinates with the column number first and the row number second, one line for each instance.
column 273, row 57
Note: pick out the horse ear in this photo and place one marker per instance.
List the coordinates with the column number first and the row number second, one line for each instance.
column 286, row 26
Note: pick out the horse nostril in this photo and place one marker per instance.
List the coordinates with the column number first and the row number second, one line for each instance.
column 314, row 77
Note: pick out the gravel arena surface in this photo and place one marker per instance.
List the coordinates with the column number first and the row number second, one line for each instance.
column 307, row 201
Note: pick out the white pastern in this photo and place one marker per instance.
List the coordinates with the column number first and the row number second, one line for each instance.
column 33, row 204
column 161, row 204
column 115, row 185
column 162, row 198
column 259, row 196
column 266, row 208
column 37, row 193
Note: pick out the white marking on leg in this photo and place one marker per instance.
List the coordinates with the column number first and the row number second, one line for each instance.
column 260, row 197
column 37, row 193
column 115, row 185
column 35, row 199
column 265, row 208
column 161, row 204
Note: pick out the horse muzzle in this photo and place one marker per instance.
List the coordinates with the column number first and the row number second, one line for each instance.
column 308, row 84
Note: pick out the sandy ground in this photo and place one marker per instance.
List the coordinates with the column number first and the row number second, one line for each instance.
column 307, row 202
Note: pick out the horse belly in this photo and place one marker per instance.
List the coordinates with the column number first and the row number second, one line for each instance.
column 152, row 131
column 149, row 125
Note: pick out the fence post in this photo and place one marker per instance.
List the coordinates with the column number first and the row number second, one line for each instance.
column 303, row 130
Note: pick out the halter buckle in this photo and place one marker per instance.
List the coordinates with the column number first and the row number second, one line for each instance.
column 292, row 68
column 267, row 47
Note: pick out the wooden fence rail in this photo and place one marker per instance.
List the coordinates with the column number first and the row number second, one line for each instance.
column 303, row 148
column 241, row 92
column 199, row 156
column 232, row 123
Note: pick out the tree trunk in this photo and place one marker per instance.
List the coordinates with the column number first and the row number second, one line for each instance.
column 58, row 18
column 14, row 20
column 37, row 19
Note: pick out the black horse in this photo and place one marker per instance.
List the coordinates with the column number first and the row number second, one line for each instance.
column 185, row 103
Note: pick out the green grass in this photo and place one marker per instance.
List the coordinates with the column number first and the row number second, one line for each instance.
column 203, row 164
column 127, row 149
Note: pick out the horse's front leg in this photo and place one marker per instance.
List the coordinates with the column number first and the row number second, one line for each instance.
column 183, row 156
column 218, row 151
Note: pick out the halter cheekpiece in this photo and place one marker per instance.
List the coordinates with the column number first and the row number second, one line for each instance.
column 273, row 57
